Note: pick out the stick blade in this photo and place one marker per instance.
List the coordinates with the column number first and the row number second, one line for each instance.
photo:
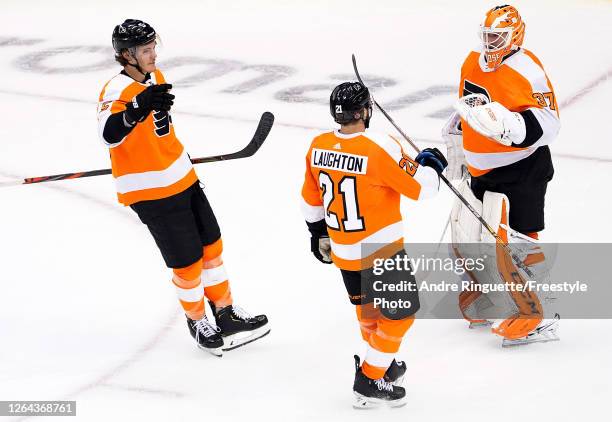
column 264, row 127
column 261, row 133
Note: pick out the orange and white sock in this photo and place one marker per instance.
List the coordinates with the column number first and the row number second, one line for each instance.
column 367, row 316
column 383, row 345
column 190, row 290
column 214, row 276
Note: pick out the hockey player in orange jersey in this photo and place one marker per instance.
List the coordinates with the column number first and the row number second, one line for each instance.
column 506, row 118
column 154, row 176
column 351, row 200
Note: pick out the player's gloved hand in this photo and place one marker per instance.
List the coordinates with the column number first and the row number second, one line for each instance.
column 154, row 97
column 319, row 241
column 321, row 249
column 496, row 122
column 432, row 157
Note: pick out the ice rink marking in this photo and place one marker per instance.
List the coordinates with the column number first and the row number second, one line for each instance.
column 567, row 103
column 102, row 381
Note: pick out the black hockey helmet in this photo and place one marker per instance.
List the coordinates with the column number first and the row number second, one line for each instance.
column 132, row 33
column 347, row 101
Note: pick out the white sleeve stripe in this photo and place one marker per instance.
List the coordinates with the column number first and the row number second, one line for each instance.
column 312, row 213
column 429, row 181
column 549, row 121
column 102, row 119
column 112, row 92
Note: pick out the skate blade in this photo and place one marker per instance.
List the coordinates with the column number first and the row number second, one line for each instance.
column 217, row 351
column 542, row 334
column 480, row 324
column 363, row 402
column 236, row 340
column 537, row 338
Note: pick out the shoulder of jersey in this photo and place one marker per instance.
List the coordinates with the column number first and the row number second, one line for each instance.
column 320, row 137
column 378, row 140
column 385, row 142
column 472, row 57
column 526, row 64
column 114, row 87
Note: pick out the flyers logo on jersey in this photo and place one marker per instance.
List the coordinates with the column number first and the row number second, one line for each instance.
column 334, row 160
column 105, row 105
column 409, row 165
column 162, row 121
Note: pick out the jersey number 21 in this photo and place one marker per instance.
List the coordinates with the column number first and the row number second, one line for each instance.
column 347, row 189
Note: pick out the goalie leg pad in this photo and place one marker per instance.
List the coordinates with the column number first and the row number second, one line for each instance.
column 473, row 304
column 466, row 231
column 520, row 312
column 464, row 226
column 496, row 212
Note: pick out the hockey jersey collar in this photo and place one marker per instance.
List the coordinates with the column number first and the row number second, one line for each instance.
column 483, row 64
column 343, row 136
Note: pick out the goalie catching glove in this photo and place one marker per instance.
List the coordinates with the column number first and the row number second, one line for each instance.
column 493, row 120
column 453, row 138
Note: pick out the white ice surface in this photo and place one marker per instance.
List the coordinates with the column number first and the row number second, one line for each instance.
column 87, row 311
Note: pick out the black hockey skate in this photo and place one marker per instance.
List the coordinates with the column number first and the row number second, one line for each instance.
column 371, row 393
column 207, row 336
column 238, row 327
column 395, row 373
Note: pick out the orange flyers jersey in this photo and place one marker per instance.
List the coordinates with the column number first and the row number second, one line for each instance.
column 354, row 182
column 519, row 84
column 150, row 162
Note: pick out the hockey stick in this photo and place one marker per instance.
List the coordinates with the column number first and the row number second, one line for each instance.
column 263, row 129
column 476, row 214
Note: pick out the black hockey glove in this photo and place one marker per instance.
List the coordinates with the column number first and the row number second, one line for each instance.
column 154, row 97
column 432, row 157
column 319, row 241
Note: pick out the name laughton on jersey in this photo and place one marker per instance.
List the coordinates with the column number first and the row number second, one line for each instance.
column 334, row 160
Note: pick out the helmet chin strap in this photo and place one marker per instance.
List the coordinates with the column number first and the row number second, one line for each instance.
column 137, row 65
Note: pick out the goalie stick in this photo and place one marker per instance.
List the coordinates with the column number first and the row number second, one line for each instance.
column 263, row 129
column 476, row 214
